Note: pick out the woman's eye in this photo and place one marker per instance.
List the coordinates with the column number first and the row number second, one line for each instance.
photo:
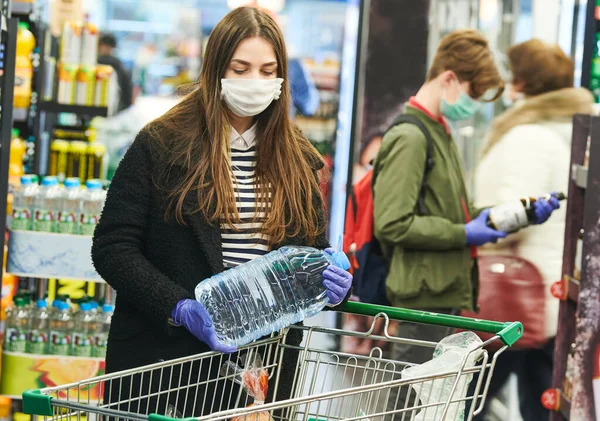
column 239, row 72
column 268, row 73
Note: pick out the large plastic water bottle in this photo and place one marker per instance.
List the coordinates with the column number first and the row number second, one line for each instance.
column 83, row 331
column 23, row 204
column 92, row 202
column 47, row 205
column 37, row 338
column 17, row 325
column 68, row 219
column 102, row 327
column 268, row 293
column 61, row 336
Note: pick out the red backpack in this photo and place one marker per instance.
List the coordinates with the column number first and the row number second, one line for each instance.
column 368, row 264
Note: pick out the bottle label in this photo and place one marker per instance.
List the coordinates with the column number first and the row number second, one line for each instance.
column 37, row 342
column 82, row 345
column 60, row 343
column 67, row 223
column 15, row 340
column 44, row 220
column 100, row 345
column 21, row 219
column 509, row 217
column 88, row 223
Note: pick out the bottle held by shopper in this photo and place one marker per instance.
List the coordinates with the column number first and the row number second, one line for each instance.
column 267, row 294
column 37, row 338
column 102, row 328
column 511, row 217
column 17, row 325
column 47, row 205
column 92, row 203
column 83, row 331
column 60, row 330
column 23, row 204
column 68, row 217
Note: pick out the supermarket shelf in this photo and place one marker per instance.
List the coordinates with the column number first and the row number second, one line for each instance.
column 20, row 114
column 565, row 406
column 579, row 174
column 21, row 8
column 56, row 108
column 3, row 23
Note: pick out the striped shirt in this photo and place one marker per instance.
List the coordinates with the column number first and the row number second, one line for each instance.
column 244, row 242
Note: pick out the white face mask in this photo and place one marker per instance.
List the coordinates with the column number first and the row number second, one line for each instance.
column 250, row 97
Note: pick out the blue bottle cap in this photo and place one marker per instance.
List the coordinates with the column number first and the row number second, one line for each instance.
column 72, row 182
column 341, row 260
column 56, row 303
column 62, row 305
column 26, row 180
column 85, row 307
column 94, row 305
column 93, row 184
column 50, row 181
column 108, row 308
column 41, row 304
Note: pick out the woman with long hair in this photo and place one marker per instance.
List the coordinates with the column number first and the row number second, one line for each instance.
column 220, row 179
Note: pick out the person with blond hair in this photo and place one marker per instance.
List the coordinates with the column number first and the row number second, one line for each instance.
column 527, row 154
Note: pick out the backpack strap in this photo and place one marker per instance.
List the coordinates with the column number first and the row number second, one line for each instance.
column 411, row 119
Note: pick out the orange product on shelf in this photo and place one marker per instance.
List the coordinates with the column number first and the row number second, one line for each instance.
column 89, row 44
column 17, row 152
column 104, row 80
column 70, row 42
column 67, row 75
column 84, row 90
column 5, row 408
column 23, row 67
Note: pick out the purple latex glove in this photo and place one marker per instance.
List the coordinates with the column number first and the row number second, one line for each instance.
column 478, row 233
column 543, row 208
column 337, row 282
column 193, row 316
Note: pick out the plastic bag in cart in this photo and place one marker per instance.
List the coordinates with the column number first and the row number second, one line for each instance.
column 255, row 380
column 447, row 357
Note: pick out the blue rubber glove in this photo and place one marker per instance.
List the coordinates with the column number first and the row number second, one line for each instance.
column 193, row 316
column 543, row 208
column 337, row 282
column 478, row 233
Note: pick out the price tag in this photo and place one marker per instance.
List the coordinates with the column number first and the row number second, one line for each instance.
column 551, row 399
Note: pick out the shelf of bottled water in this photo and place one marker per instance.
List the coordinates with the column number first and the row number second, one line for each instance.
column 36, row 328
column 48, row 206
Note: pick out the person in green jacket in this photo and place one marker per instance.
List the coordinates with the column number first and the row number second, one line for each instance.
column 432, row 256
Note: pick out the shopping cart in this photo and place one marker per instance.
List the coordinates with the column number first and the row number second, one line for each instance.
column 322, row 385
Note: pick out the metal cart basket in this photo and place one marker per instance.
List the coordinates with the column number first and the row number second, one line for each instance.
column 307, row 382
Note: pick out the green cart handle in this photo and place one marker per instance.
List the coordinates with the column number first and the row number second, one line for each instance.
column 509, row 332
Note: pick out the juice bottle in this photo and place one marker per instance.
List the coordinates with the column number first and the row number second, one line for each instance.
column 23, row 68
column 17, row 152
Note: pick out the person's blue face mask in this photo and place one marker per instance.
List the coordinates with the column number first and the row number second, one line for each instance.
column 464, row 107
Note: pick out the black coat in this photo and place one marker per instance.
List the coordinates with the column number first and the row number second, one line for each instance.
column 153, row 264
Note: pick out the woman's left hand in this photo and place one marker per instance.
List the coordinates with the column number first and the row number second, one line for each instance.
column 337, row 282
column 543, row 209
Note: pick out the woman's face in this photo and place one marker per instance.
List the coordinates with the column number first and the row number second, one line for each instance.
column 254, row 58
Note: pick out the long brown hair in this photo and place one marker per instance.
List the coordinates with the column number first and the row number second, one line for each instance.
column 196, row 139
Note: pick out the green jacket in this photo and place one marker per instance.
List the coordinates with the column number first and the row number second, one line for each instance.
column 430, row 265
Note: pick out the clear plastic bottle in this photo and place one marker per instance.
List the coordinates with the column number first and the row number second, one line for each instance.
column 92, row 203
column 68, row 218
column 17, row 325
column 267, row 294
column 102, row 327
column 47, row 205
column 61, row 326
column 37, row 338
column 23, row 204
column 83, row 331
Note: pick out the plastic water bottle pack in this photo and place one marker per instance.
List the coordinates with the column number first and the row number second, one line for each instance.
column 267, row 294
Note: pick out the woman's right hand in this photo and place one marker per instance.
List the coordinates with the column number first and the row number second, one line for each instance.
column 193, row 316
